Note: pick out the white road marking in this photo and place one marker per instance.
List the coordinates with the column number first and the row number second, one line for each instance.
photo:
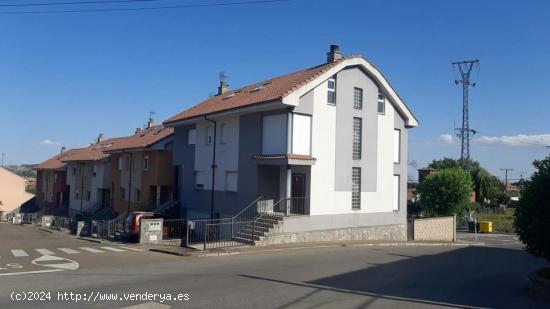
column 90, row 249
column 113, row 249
column 134, row 249
column 56, row 262
column 19, row 253
column 31, row 272
column 44, row 251
column 68, row 250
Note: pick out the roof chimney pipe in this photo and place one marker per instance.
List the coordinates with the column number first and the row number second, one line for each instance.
column 151, row 122
column 334, row 54
column 224, row 86
column 100, row 138
column 63, row 149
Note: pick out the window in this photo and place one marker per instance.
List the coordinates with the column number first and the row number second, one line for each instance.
column 94, row 171
column 356, row 188
column 122, row 193
column 146, row 163
column 223, row 133
column 381, row 104
column 231, row 181
column 191, row 136
column 396, row 145
column 209, row 135
column 120, row 163
column 331, row 90
column 357, row 98
column 138, row 195
column 396, row 192
column 127, row 163
column 88, row 195
column 357, row 138
column 199, row 181
column 74, row 171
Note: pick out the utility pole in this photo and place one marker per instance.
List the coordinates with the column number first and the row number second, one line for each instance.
column 506, row 176
column 465, row 68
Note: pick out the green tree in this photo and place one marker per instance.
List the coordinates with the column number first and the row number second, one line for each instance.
column 446, row 192
column 532, row 217
column 486, row 186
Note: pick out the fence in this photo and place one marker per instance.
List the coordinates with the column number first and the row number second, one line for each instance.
column 64, row 223
column 174, row 229
column 30, row 218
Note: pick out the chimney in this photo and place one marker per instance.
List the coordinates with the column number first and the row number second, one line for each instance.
column 100, row 138
column 63, row 149
column 224, row 86
column 334, row 54
column 151, row 122
column 137, row 130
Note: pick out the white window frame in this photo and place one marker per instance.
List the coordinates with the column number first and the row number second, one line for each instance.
column 381, row 100
column 396, row 192
column 198, row 185
column 209, row 135
column 396, row 146
column 191, row 136
column 146, row 163
column 331, row 90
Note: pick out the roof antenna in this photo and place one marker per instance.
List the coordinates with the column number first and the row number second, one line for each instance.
column 151, row 121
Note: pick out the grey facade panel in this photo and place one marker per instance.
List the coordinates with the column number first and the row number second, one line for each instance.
column 346, row 81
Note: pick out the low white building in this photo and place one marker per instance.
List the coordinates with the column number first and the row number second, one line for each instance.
column 325, row 148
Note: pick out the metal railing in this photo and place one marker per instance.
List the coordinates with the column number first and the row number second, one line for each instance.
column 174, row 229
column 64, row 223
column 242, row 228
column 108, row 229
column 29, row 218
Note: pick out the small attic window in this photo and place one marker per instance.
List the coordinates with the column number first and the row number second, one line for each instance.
column 108, row 145
column 266, row 83
column 230, row 96
column 257, row 88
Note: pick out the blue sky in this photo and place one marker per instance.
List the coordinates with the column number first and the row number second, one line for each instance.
column 64, row 78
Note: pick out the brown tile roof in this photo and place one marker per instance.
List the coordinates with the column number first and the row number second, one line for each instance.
column 262, row 92
column 53, row 163
column 139, row 140
column 142, row 139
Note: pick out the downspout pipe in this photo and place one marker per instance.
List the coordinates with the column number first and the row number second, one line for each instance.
column 130, row 182
column 213, row 167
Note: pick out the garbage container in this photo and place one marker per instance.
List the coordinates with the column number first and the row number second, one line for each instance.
column 486, row 226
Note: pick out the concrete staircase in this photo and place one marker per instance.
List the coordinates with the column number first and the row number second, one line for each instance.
column 259, row 229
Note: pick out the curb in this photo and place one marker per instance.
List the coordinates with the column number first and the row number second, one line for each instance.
column 267, row 249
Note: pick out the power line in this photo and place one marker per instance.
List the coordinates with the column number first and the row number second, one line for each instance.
column 74, row 3
column 188, row 6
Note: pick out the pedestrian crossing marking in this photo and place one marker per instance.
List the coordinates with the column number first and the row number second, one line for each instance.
column 19, row 253
column 90, row 249
column 44, row 251
column 68, row 250
column 113, row 249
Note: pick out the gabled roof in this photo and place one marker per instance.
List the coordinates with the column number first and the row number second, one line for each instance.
column 142, row 139
column 266, row 91
column 287, row 89
column 94, row 152
column 53, row 163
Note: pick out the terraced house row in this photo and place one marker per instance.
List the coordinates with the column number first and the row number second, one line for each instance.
column 323, row 150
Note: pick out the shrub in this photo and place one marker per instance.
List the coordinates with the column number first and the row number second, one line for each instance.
column 446, row 192
column 532, row 217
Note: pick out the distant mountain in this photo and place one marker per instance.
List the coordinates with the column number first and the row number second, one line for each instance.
column 24, row 170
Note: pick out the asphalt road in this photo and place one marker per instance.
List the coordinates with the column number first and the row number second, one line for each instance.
column 492, row 276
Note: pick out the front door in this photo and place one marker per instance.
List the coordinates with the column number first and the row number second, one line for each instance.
column 298, row 192
column 298, row 185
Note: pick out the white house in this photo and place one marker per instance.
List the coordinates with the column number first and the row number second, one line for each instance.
column 325, row 147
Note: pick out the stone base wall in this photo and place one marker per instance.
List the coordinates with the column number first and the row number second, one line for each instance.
column 435, row 229
column 380, row 232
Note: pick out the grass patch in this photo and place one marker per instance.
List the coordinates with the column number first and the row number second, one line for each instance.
column 503, row 221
